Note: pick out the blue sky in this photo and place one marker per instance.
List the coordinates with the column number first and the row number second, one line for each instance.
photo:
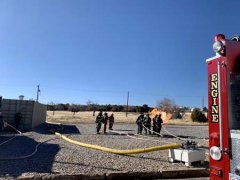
column 98, row 50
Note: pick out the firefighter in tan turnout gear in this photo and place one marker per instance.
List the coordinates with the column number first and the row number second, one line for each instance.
column 105, row 120
column 111, row 121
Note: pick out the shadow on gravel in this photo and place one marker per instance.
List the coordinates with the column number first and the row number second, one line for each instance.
column 180, row 136
column 46, row 128
column 204, row 147
column 25, row 155
column 205, row 164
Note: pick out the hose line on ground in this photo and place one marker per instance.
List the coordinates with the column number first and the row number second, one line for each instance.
column 5, row 125
column 26, row 156
column 118, row 151
column 20, row 157
column 145, row 139
column 182, row 139
column 8, row 140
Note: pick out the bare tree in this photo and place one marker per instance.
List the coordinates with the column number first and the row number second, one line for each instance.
column 167, row 105
column 89, row 102
column 52, row 107
column 91, row 106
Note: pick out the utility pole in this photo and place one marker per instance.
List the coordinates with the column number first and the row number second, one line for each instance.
column 127, row 103
column 202, row 102
column 38, row 91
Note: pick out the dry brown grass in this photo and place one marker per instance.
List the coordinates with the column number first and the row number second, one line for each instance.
column 186, row 120
column 120, row 117
column 87, row 117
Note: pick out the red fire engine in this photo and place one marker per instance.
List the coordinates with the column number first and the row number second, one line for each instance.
column 224, row 109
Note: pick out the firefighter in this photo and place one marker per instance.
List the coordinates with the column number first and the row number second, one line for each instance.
column 99, row 120
column 154, row 124
column 105, row 120
column 159, row 122
column 18, row 118
column 147, row 124
column 94, row 110
column 139, row 122
column 111, row 121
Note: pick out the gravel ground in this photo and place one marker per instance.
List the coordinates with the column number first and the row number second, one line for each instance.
column 56, row 156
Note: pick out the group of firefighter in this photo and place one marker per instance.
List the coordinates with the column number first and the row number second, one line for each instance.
column 145, row 122
column 104, row 119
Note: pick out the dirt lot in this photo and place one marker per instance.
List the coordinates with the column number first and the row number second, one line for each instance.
column 51, row 156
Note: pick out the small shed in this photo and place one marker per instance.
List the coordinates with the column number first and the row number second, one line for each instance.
column 32, row 113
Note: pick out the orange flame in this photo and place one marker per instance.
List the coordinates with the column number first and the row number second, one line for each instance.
column 164, row 115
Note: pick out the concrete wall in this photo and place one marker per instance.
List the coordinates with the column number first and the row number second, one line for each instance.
column 33, row 113
column 39, row 114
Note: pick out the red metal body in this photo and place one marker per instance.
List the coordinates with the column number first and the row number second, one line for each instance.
column 220, row 70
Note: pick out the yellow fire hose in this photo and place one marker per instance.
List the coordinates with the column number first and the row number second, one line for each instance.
column 119, row 151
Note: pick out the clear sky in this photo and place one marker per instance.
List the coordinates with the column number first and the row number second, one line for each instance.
column 98, row 50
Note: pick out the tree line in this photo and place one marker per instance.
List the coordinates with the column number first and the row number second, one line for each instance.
column 165, row 104
column 97, row 107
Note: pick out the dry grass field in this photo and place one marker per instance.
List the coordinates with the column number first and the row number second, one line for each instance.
column 87, row 117
column 120, row 117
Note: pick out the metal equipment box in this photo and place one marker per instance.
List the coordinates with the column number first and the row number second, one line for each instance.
column 33, row 113
column 233, row 177
column 186, row 155
column 235, row 159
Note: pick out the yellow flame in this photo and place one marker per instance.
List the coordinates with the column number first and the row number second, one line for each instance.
column 164, row 115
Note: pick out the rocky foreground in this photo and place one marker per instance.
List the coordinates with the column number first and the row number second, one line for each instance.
column 41, row 153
